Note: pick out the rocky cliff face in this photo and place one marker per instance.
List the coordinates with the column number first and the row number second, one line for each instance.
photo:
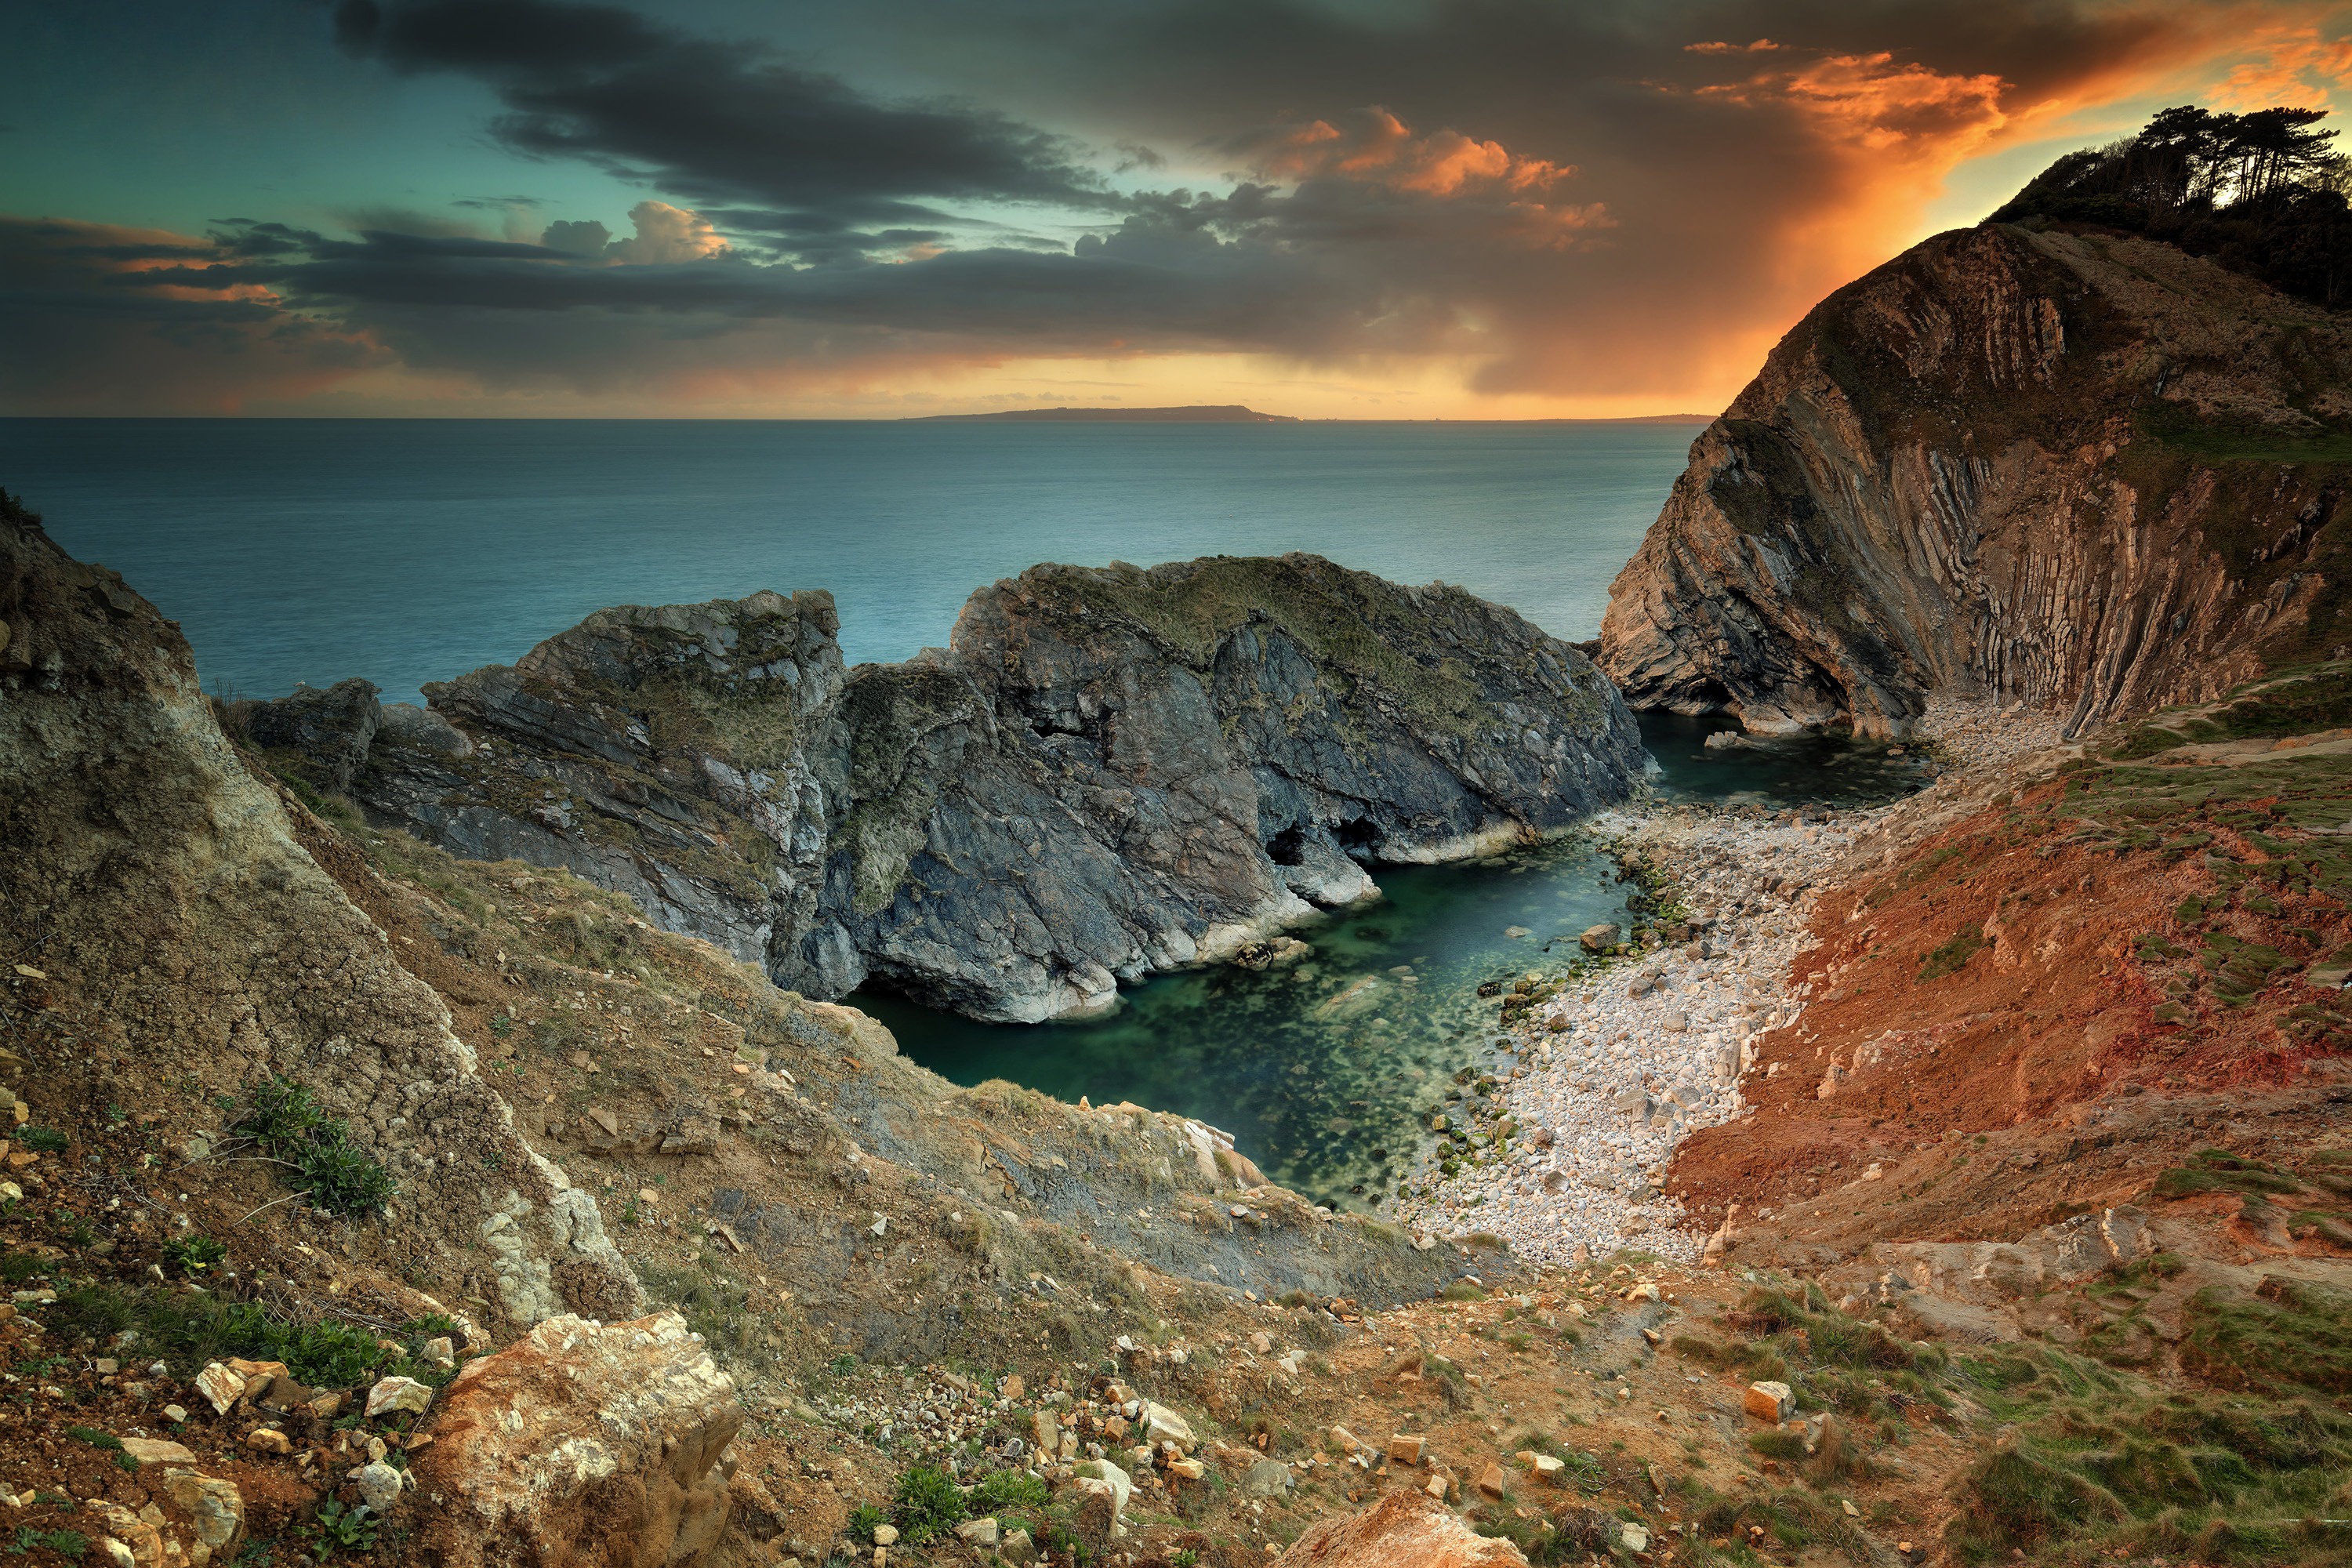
column 2092, row 474
column 1106, row 773
column 164, row 925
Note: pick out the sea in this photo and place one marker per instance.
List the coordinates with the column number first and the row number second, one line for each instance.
column 411, row 551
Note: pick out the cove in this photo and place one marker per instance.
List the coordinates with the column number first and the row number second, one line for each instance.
column 1324, row 1070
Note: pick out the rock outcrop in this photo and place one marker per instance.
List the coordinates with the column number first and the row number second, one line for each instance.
column 1106, row 773
column 584, row 1443
column 155, row 895
column 2087, row 473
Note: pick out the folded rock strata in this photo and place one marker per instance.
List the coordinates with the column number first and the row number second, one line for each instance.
column 1107, row 772
column 2086, row 473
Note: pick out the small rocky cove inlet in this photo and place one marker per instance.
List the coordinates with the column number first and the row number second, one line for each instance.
column 1332, row 1058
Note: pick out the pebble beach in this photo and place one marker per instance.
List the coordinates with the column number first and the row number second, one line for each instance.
column 1608, row 1073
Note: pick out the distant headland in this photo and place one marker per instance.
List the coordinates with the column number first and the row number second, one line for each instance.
column 1194, row 414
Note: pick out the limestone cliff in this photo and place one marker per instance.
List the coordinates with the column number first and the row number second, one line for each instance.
column 2090, row 473
column 1105, row 772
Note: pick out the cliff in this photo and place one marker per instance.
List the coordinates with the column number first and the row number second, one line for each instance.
column 2086, row 472
column 167, row 928
column 1105, row 772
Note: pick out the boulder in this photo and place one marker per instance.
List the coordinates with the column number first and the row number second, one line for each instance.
column 1599, row 938
column 214, row 1507
column 221, row 1388
column 1773, row 1402
column 1102, row 1476
column 1268, row 1477
column 392, row 1395
column 157, row 1451
column 1403, row 1527
column 379, row 1485
column 1161, row 1425
column 583, row 1442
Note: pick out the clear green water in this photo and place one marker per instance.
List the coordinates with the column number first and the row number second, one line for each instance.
column 1322, row 1070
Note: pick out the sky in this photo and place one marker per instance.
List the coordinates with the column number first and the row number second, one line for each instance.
column 1451, row 209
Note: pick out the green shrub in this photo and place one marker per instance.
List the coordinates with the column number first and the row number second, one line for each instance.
column 194, row 1254
column 42, row 1140
column 1007, row 1490
column 862, row 1521
column 927, row 1504
column 63, row 1542
column 290, row 1126
column 340, row 1529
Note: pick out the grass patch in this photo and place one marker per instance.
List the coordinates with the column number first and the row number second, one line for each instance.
column 925, row 1505
column 2289, row 1336
column 187, row 1330
column 2219, row 1171
column 2102, row 1466
column 1954, row 955
column 1006, row 1492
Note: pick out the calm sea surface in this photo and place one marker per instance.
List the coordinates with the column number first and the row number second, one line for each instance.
column 409, row 551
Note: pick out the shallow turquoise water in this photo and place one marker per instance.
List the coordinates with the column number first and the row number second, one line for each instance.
column 1323, row 1092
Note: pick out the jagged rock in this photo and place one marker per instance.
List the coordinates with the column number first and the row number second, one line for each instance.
column 379, row 1485
column 220, row 1386
column 1102, row 1475
column 1773, row 1402
column 1964, row 1285
column 1106, row 773
column 393, row 1394
column 216, row 1507
column 583, row 1442
column 1161, row 1425
column 1403, row 1527
column 328, row 732
column 1978, row 467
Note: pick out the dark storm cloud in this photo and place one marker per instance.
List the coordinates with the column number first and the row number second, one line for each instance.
column 1561, row 196
column 718, row 121
column 93, row 324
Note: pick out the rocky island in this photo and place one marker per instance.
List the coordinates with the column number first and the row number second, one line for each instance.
column 1189, row 414
column 1105, row 772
